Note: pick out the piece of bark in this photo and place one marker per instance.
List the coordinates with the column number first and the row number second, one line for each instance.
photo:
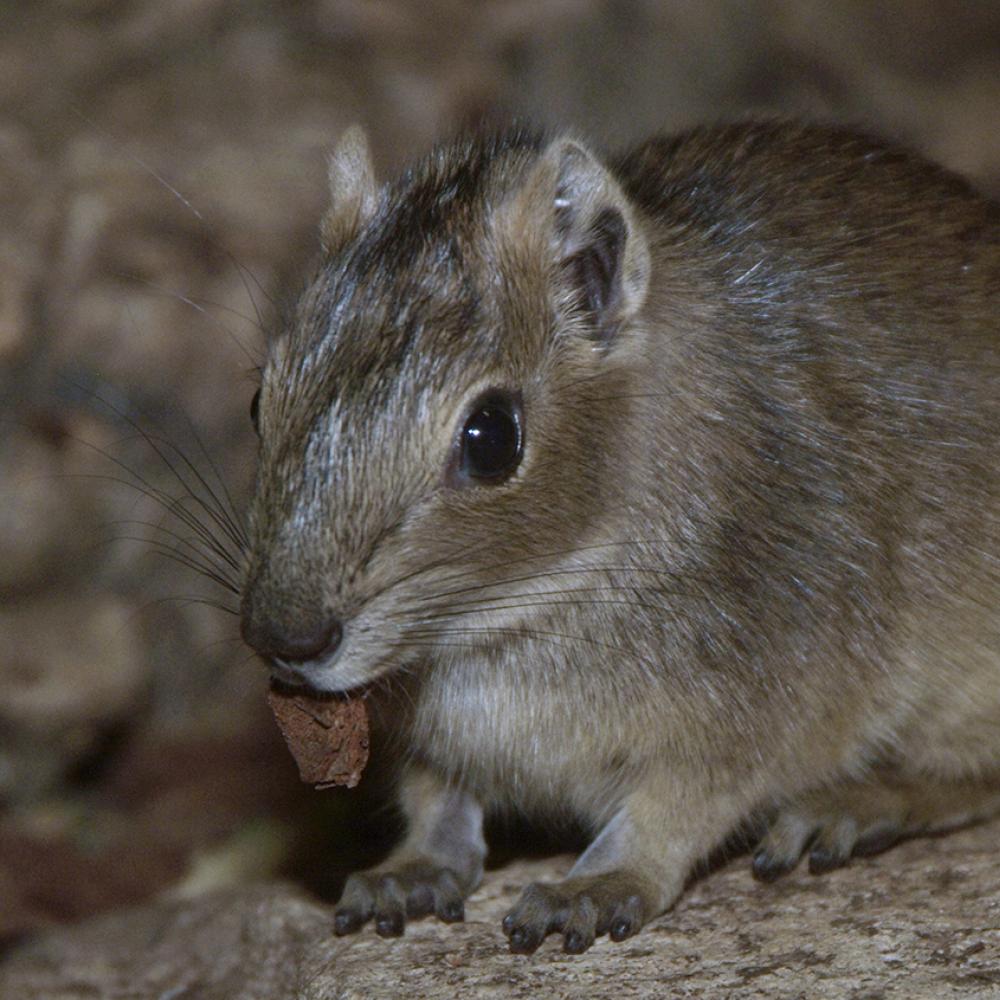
column 328, row 737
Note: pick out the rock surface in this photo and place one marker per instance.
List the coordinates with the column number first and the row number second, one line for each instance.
column 921, row 922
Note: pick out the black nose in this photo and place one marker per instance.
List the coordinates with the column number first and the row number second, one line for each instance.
column 293, row 643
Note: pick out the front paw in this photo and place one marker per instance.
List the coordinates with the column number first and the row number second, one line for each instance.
column 389, row 897
column 580, row 909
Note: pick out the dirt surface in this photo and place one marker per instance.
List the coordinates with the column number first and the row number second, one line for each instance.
column 162, row 171
column 919, row 923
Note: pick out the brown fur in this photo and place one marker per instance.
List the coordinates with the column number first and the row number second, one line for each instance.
column 751, row 558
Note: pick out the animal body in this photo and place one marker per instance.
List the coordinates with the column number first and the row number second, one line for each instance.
column 657, row 492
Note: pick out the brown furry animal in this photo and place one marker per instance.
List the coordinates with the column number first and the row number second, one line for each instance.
column 657, row 492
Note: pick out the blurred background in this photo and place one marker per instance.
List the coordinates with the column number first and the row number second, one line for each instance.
column 162, row 173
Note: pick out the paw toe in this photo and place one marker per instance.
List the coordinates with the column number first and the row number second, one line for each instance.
column 767, row 868
column 783, row 845
column 833, row 845
column 576, row 942
column 452, row 911
column 823, row 860
column 627, row 920
column 390, row 924
column 449, row 903
column 420, row 901
column 347, row 921
column 878, row 838
column 524, row 939
column 537, row 912
column 357, row 904
column 580, row 927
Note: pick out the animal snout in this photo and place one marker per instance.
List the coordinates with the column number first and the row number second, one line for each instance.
column 292, row 642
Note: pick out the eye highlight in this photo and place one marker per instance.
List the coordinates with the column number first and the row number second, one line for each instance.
column 491, row 442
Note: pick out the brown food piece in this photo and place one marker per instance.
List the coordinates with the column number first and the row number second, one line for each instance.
column 328, row 737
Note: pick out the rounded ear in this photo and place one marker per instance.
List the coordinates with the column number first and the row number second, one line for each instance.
column 597, row 239
column 352, row 188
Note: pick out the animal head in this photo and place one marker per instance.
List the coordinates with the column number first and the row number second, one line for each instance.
column 441, row 412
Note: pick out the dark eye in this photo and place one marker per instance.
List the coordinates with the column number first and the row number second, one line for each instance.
column 491, row 442
column 255, row 411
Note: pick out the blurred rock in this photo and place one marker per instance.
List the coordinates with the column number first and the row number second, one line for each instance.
column 60, row 875
column 53, row 508
column 71, row 671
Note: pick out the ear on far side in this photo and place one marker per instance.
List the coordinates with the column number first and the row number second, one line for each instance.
column 353, row 190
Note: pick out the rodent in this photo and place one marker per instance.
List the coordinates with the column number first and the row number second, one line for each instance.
column 658, row 491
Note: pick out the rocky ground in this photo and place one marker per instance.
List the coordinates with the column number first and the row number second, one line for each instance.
column 161, row 174
column 920, row 923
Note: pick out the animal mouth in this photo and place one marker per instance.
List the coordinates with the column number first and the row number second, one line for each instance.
column 314, row 679
column 290, row 680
